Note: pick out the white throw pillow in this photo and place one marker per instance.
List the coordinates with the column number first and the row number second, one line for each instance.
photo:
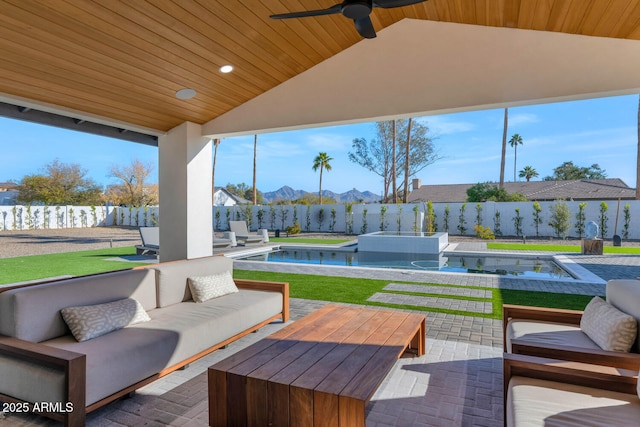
column 204, row 288
column 91, row 321
column 608, row 327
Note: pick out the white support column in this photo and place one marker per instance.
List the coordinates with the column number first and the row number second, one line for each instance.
column 185, row 217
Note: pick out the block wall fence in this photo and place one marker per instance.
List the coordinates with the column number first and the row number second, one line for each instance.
column 361, row 218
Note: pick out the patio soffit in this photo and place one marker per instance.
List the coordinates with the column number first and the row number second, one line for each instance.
column 121, row 63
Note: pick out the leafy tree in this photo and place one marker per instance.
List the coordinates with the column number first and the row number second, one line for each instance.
column 603, row 218
column 537, row 217
column 528, row 172
column 60, row 184
column 461, row 220
column 321, row 161
column 627, row 221
column 489, row 192
column 560, row 218
column 569, row 171
column 377, row 155
column 517, row 222
column 581, row 219
column 133, row 189
column 244, row 191
column 515, row 140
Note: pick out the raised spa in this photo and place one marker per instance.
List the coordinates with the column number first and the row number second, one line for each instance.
column 403, row 242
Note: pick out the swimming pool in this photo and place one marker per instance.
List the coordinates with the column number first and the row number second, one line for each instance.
column 521, row 266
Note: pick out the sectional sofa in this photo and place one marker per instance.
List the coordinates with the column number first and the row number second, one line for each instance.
column 79, row 343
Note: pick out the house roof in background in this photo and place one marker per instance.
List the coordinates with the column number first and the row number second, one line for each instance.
column 239, row 200
column 585, row 189
column 5, row 186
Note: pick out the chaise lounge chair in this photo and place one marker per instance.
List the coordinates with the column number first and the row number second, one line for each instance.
column 242, row 233
column 150, row 237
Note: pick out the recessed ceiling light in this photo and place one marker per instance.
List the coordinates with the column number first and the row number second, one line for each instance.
column 185, row 93
column 226, row 69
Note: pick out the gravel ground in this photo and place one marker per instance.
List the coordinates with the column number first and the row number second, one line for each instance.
column 15, row 243
column 36, row 242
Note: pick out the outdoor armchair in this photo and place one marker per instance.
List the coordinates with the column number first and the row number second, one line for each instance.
column 549, row 392
column 570, row 335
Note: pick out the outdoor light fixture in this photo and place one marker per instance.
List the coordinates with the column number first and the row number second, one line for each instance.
column 185, row 93
column 226, row 69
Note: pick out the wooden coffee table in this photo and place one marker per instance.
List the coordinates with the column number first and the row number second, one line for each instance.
column 319, row 371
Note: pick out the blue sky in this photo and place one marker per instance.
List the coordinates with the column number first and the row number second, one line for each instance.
column 599, row 131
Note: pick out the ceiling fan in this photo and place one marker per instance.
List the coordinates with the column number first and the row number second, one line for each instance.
column 358, row 10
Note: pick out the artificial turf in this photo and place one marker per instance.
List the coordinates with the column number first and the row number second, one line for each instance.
column 35, row 267
column 559, row 248
column 357, row 291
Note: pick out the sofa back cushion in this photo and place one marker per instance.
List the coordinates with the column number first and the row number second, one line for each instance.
column 33, row 313
column 171, row 278
column 625, row 296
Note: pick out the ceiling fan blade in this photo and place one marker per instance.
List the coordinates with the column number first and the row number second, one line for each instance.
column 388, row 4
column 365, row 27
column 336, row 8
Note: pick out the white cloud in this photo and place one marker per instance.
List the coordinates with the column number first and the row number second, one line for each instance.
column 329, row 142
column 443, row 126
column 523, row 119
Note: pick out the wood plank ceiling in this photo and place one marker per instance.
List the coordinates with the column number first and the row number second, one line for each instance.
column 125, row 60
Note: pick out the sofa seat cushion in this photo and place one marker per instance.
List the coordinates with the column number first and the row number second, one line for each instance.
column 121, row 358
column 548, row 333
column 534, row 402
column 200, row 326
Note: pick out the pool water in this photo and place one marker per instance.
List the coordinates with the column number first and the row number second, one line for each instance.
column 522, row 266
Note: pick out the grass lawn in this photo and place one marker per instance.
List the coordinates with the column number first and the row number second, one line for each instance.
column 559, row 248
column 357, row 291
column 35, row 267
column 308, row 240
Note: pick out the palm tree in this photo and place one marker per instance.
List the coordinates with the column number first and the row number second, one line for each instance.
column 638, row 156
column 255, row 153
column 504, row 146
column 321, row 161
column 528, row 172
column 216, row 142
column 514, row 141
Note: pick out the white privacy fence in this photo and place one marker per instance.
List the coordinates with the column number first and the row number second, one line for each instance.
column 26, row 217
column 353, row 219
column 366, row 218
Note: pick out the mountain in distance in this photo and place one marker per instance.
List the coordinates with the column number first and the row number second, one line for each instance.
column 288, row 193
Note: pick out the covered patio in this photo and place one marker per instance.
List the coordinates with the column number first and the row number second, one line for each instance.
column 119, row 68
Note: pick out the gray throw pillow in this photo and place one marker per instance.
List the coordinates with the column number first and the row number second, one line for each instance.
column 608, row 327
column 204, row 288
column 91, row 321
